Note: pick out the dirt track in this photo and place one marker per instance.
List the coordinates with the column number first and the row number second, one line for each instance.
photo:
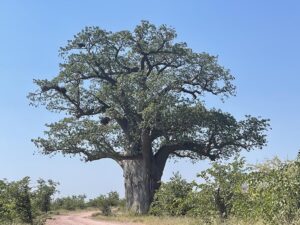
column 80, row 218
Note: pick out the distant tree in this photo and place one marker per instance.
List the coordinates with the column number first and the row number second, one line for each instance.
column 44, row 193
column 70, row 203
column 137, row 98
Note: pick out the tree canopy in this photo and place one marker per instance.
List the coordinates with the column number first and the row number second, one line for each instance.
column 115, row 86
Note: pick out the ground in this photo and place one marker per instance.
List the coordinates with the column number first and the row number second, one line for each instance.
column 81, row 218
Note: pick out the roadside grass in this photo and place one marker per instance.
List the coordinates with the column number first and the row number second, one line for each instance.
column 41, row 219
column 118, row 215
column 147, row 220
column 67, row 211
column 167, row 220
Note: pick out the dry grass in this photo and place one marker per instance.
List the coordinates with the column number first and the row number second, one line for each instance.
column 165, row 220
column 148, row 220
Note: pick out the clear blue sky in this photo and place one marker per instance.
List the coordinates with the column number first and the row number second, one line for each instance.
column 258, row 40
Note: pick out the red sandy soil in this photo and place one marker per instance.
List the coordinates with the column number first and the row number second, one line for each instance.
column 80, row 218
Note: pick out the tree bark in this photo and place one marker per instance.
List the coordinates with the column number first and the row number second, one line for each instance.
column 141, row 182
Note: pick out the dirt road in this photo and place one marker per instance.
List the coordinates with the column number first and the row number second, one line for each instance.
column 80, row 218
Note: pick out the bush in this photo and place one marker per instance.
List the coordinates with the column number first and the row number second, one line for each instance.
column 15, row 201
column 19, row 203
column 70, row 203
column 106, row 202
column 266, row 192
column 274, row 193
column 171, row 197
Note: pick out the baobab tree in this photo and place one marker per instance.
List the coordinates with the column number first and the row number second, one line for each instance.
column 138, row 99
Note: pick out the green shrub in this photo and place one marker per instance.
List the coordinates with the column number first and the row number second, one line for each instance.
column 15, row 201
column 268, row 192
column 171, row 197
column 69, row 203
column 42, row 196
column 221, row 189
column 7, row 212
column 106, row 202
column 274, row 192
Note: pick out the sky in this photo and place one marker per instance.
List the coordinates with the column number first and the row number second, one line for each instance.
column 257, row 40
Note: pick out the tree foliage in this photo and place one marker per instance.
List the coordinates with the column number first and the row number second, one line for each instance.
column 116, row 86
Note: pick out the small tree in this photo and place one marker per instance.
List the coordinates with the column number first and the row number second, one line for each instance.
column 223, row 187
column 7, row 204
column 20, row 193
column 43, row 194
column 137, row 98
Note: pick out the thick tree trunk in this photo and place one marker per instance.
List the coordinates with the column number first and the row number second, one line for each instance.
column 141, row 182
